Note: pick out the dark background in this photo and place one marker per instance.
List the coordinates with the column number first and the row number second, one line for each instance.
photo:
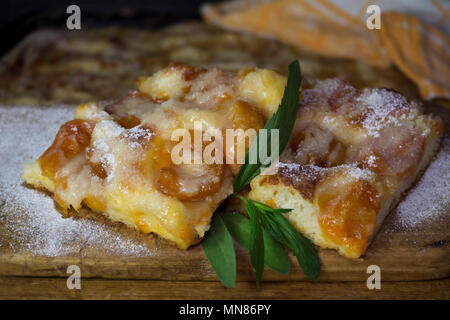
column 19, row 17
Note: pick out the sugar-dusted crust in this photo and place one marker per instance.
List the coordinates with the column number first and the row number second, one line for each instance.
column 353, row 153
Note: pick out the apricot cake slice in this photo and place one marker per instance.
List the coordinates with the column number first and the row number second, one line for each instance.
column 116, row 158
column 350, row 157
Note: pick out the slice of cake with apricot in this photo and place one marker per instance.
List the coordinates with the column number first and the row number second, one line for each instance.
column 351, row 156
column 116, row 158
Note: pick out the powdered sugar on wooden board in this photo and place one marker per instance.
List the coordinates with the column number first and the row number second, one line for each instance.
column 29, row 221
column 430, row 197
column 29, row 216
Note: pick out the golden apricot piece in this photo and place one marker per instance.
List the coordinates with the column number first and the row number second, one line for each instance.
column 348, row 214
column 72, row 138
column 190, row 181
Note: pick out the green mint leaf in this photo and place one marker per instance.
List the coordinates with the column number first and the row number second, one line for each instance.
column 283, row 120
column 256, row 241
column 275, row 256
column 281, row 229
column 219, row 250
column 266, row 208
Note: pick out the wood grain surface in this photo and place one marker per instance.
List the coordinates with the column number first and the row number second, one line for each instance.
column 51, row 288
column 401, row 256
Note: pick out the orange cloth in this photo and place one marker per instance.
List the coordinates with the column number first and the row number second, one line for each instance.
column 337, row 28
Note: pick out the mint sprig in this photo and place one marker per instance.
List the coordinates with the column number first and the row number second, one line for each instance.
column 276, row 224
column 267, row 229
column 275, row 256
column 256, row 239
column 283, row 120
column 219, row 250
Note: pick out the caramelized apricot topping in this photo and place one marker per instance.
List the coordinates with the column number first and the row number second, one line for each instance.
column 72, row 138
column 314, row 145
column 185, row 181
column 129, row 121
column 190, row 181
column 97, row 167
column 394, row 153
column 348, row 214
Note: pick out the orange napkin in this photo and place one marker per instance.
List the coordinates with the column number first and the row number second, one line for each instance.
column 413, row 35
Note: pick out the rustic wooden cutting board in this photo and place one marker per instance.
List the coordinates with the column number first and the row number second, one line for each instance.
column 35, row 240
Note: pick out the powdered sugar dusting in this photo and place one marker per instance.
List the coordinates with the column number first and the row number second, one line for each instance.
column 383, row 108
column 28, row 218
column 312, row 172
column 296, row 171
column 371, row 160
column 430, row 197
column 136, row 135
column 104, row 133
column 356, row 172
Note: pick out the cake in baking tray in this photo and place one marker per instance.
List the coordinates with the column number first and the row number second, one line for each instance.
column 58, row 66
column 353, row 152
